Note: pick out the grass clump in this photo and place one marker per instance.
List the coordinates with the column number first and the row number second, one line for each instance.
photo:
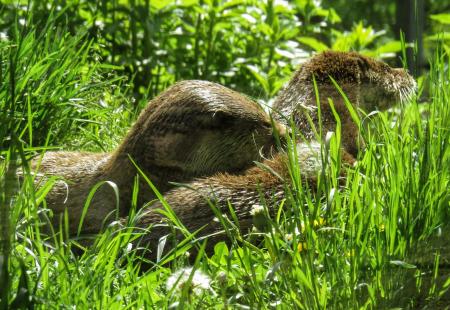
column 54, row 88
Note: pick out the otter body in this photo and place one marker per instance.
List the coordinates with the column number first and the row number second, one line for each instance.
column 208, row 135
column 368, row 84
column 243, row 192
column 193, row 129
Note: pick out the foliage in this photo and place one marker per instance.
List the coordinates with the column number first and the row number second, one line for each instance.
column 53, row 88
column 441, row 31
column 358, row 246
column 355, row 247
column 251, row 46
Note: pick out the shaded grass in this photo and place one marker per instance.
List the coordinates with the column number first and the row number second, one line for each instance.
column 53, row 85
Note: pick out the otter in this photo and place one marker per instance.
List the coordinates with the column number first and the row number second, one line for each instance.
column 192, row 202
column 196, row 129
column 369, row 85
column 193, row 129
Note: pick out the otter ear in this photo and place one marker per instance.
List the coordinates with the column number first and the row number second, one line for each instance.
column 362, row 63
column 359, row 66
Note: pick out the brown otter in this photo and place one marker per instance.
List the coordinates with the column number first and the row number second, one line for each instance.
column 192, row 206
column 193, row 129
column 216, row 130
column 369, row 84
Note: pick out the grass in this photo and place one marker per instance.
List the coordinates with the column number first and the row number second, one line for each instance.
column 378, row 241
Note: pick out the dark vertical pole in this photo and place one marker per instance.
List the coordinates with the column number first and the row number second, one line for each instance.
column 151, row 30
column 113, row 34
column 133, row 29
column 410, row 20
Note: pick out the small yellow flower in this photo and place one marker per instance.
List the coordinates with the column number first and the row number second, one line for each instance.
column 350, row 253
column 320, row 222
column 301, row 247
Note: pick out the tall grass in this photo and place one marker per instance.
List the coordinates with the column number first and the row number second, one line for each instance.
column 50, row 89
column 377, row 241
column 53, row 87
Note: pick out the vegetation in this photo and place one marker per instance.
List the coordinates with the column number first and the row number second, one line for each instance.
column 74, row 76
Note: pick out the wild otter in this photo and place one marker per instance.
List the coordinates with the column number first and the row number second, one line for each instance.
column 196, row 129
column 369, row 84
column 191, row 203
column 193, row 129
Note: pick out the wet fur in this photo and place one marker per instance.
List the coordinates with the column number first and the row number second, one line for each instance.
column 368, row 85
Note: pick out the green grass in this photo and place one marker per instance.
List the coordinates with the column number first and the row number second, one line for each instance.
column 373, row 242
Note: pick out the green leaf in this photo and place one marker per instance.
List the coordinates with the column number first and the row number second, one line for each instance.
column 439, row 36
column 161, row 4
column 390, row 47
column 228, row 5
column 402, row 264
column 314, row 44
column 334, row 17
column 443, row 18
column 187, row 3
column 284, row 53
column 91, row 196
column 260, row 77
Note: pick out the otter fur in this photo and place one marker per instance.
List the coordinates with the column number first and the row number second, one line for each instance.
column 192, row 203
column 193, row 129
column 208, row 136
column 369, row 85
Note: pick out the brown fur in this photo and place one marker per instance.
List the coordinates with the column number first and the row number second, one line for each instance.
column 214, row 129
column 193, row 129
column 191, row 204
column 367, row 83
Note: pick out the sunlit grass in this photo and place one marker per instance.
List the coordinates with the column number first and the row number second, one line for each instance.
column 372, row 240
column 355, row 247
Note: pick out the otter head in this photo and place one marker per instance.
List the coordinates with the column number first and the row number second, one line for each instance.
column 369, row 85
column 381, row 86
